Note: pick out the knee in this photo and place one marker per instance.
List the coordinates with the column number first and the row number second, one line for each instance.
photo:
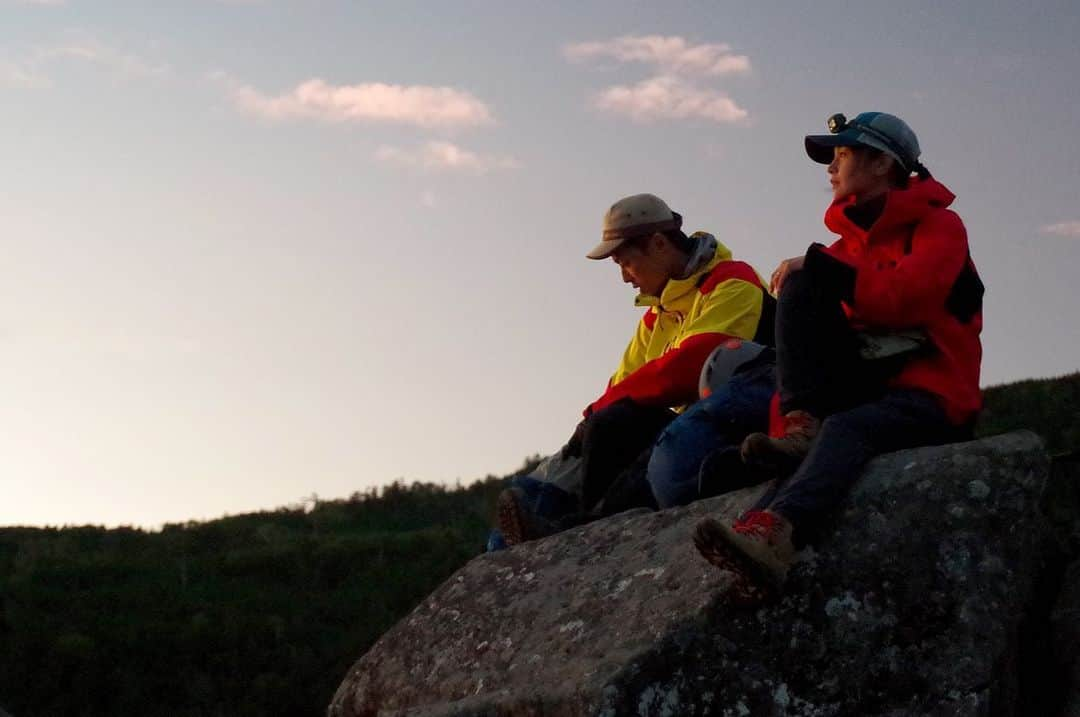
column 606, row 423
column 842, row 425
column 844, row 438
column 667, row 481
column 672, row 469
column 659, row 468
column 681, row 437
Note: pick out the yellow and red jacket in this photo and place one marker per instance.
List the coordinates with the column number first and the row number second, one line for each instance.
column 691, row 317
column 913, row 270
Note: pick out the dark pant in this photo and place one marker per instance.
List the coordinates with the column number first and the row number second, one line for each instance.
column 614, row 445
column 900, row 419
column 629, row 490
column 818, row 366
column 614, row 440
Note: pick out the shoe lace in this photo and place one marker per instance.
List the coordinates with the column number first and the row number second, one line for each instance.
column 756, row 523
column 799, row 424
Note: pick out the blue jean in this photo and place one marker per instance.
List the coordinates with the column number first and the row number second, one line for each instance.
column 712, row 424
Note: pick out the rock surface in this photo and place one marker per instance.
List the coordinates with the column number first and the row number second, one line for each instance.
column 1064, row 498
column 1066, row 621
column 915, row 604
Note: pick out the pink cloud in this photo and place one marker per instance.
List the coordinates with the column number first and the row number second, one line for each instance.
column 90, row 51
column 444, row 156
column 369, row 102
column 20, row 77
column 1063, row 229
column 672, row 54
column 665, row 98
column 35, row 69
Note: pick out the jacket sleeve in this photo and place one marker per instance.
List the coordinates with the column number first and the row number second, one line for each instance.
column 913, row 292
column 731, row 309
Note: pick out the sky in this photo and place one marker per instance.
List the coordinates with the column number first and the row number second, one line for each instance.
column 254, row 252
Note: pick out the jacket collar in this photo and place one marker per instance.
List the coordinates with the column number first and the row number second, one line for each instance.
column 902, row 207
column 708, row 252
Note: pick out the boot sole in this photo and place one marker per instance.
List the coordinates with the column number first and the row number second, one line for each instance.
column 711, row 541
column 744, row 591
column 508, row 517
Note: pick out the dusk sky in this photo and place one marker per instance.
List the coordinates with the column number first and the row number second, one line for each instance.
column 255, row 251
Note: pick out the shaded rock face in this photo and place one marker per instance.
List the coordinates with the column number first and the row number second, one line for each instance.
column 544, row 627
column 1064, row 498
column 916, row 603
column 1066, row 621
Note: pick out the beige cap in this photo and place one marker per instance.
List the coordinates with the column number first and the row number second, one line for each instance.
column 634, row 216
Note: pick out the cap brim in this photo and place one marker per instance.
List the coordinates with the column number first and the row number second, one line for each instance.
column 606, row 248
column 820, row 146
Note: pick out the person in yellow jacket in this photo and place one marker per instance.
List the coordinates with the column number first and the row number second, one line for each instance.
column 696, row 297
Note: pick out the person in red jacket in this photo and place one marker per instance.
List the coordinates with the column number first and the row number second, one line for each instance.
column 877, row 343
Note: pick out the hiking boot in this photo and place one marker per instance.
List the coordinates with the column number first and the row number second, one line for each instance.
column 516, row 520
column 758, row 545
column 782, row 455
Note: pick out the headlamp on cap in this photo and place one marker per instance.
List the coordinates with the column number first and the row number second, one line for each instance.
column 878, row 130
column 838, row 123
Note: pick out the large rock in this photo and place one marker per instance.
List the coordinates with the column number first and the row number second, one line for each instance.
column 913, row 605
column 1066, row 620
column 1064, row 505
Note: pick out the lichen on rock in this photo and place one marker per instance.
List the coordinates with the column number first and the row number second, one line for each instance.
column 913, row 604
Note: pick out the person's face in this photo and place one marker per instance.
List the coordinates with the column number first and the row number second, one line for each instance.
column 642, row 266
column 858, row 173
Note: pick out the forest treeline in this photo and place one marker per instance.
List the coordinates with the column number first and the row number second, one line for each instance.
column 262, row 614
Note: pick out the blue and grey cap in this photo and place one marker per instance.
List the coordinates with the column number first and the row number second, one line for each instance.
column 879, row 130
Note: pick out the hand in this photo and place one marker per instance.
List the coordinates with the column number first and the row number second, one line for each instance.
column 787, row 266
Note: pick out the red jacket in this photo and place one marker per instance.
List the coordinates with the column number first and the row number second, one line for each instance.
column 913, row 270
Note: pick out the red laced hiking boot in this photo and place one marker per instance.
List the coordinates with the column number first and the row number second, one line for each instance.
column 517, row 522
column 757, row 546
column 782, row 454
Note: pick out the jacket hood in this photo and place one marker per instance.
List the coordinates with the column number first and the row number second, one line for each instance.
column 902, row 206
column 705, row 248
